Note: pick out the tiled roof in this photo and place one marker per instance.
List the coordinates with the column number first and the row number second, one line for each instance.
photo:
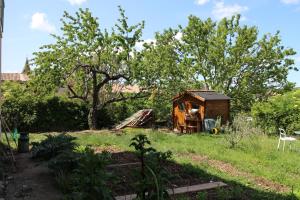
column 14, row 77
column 125, row 88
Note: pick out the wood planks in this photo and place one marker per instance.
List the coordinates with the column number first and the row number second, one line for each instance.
column 181, row 190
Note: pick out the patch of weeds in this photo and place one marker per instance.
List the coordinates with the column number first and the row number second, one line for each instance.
column 240, row 129
column 183, row 197
column 190, row 150
column 52, row 146
column 89, row 178
column 153, row 177
column 223, row 194
column 202, row 196
column 63, row 180
column 237, row 192
column 66, row 161
column 79, row 172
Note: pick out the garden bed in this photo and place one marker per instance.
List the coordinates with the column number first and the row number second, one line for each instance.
column 125, row 166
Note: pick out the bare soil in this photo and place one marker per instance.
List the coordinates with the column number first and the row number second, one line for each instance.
column 32, row 181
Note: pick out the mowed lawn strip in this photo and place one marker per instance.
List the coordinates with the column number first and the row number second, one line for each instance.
column 256, row 155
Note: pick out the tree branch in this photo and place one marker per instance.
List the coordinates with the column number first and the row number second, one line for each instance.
column 75, row 95
column 122, row 98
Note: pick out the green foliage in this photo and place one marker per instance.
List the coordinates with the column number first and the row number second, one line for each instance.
column 280, row 111
column 79, row 172
column 89, row 60
column 240, row 128
column 65, row 162
column 89, row 178
column 201, row 195
column 153, row 177
column 164, row 68
column 264, row 162
column 230, row 58
column 27, row 112
column 156, row 162
column 52, row 146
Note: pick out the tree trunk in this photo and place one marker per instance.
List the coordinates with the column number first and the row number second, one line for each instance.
column 92, row 118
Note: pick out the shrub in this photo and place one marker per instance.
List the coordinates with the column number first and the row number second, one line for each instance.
column 242, row 126
column 52, row 146
column 153, row 177
column 281, row 111
column 64, row 162
column 89, row 178
column 55, row 113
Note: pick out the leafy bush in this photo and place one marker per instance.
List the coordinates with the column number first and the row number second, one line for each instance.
column 281, row 111
column 55, row 113
column 52, row 146
column 65, row 162
column 89, row 178
column 241, row 127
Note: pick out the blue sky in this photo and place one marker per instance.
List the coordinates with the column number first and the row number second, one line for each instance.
column 28, row 23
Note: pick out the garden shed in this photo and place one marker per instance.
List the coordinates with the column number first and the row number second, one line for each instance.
column 191, row 107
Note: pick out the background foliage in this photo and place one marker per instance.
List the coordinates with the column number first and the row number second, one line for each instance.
column 26, row 112
column 280, row 111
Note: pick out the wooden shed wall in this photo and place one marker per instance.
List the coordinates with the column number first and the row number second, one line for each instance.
column 179, row 115
column 215, row 108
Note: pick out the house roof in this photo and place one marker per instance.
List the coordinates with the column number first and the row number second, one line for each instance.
column 204, row 95
column 14, row 77
column 125, row 88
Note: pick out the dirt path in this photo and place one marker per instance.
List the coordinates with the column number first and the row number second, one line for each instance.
column 233, row 171
column 32, row 181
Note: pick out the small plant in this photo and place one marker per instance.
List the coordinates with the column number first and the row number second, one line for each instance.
column 52, row 146
column 67, row 161
column 201, row 195
column 89, row 178
column 240, row 128
column 153, row 175
column 139, row 142
column 223, row 194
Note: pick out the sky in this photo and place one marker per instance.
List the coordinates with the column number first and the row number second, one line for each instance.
column 29, row 23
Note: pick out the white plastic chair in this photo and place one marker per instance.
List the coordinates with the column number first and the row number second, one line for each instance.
column 283, row 137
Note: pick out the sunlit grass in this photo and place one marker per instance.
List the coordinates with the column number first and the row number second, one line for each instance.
column 256, row 155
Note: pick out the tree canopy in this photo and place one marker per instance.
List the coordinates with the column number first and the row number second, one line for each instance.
column 224, row 56
column 89, row 61
column 230, row 58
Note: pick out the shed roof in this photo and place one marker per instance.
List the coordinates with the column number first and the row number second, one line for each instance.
column 205, row 95
column 209, row 95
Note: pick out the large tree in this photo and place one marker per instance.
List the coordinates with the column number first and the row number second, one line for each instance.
column 163, row 64
column 231, row 58
column 90, row 61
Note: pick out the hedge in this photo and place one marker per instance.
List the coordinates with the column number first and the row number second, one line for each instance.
column 50, row 114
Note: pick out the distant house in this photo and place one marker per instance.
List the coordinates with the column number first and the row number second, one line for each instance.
column 191, row 107
column 18, row 77
column 125, row 88
column 15, row 77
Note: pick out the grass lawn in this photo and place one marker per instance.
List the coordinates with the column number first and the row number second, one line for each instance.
column 255, row 163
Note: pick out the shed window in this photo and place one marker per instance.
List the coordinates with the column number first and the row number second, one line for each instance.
column 181, row 106
column 195, row 106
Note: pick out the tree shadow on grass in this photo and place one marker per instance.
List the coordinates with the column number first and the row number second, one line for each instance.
column 126, row 164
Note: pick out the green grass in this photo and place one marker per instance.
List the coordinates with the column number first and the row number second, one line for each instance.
column 256, row 155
